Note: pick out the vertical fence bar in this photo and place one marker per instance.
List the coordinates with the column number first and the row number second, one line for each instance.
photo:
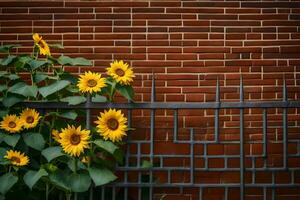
column 103, row 193
column 88, row 126
column 152, row 131
column 242, row 170
column 192, row 156
column 265, row 136
column 175, row 125
column 129, row 118
column 216, row 129
column 200, row 193
column 226, row 194
column 265, row 193
column 285, row 127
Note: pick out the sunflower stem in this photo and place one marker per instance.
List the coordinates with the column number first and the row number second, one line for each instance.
column 68, row 195
column 51, row 127
column 112, row 91
column 47, row 191
column 75, row 165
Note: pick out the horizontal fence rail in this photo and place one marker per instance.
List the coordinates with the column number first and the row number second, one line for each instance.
column 145, row 183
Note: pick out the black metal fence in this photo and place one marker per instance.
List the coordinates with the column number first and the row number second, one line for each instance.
column 137, row 182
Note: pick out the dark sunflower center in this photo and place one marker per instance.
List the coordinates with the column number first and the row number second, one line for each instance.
column 112, row 124
column 91, row 83
column 15, row 159
column 75, row 139
column 29, row 119
column 120, row 72
column 12, row 125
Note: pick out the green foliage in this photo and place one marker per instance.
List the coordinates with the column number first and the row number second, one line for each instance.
column 126, row 91
column 74, row 100
column 7, row 181
column 79, row 182
column 12, row 140
column 34, row 140
column 101, row 175
column 54, row 87
column 32, row 177
column 24, row 89
column 52, row 152
column 66, row 60
column 8, row 47
column 49, row 166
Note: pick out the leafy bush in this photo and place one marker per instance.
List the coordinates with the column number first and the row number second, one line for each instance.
column 55, row 150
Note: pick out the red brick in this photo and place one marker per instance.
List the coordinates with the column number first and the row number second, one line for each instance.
column 188, row 44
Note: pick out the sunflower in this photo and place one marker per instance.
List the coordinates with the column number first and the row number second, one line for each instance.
column 112, row 125
column 41, row 44
column 91, row 82
column 74, row 140
column 16, row 158
column 56, row 135
column 11, row 123
column 121, row 72
column 30, row 118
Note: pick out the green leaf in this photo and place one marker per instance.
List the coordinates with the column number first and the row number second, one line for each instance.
column 11, row 100
column 52, row 152
column 32, row 177
column 79, row 182
column 71, row 165
column 8, row 47
column 3, row 73
column 101, row 176
column 35, row 64
column 34, row 140
column 74, row 100
column 8, row 60
column 69, row 115
column 126, row 91
column 7, row 181
column 13, row 77
column 12, row 140
column 54, row 87
column 59, row 179
column 106, row 145
column 2, row 154
column 66, row 60
column 69, row 77
column 99, row 99
column 111, row 148
column 3, row 113
column 56, row 46
column 146, row 164
column 22, row 61
column 3, row 87
column 39, row 76
column 24, row 89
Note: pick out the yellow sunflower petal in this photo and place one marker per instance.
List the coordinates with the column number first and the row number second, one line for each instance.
column 55, row 135
column 41, row 44
column 36, row 38
column 30, row 118
column 74, row 140
column 111, row 125
column 17, row 158
column 121, row 72
column 11, row 124
column 44, row 48
column 91, row 82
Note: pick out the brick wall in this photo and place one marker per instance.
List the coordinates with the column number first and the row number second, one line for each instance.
column 188, row 45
